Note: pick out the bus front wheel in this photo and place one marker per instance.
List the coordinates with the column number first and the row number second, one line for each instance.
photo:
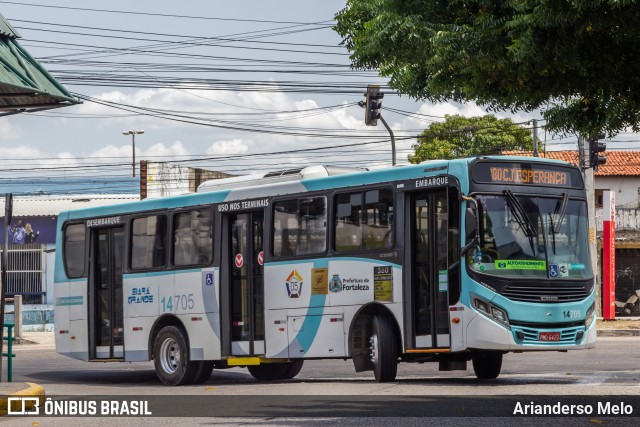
column 171, row 358
column 276, row 371
column 382, row 350
column 487, row 364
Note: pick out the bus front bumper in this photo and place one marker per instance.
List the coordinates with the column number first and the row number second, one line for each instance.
column 483, row 333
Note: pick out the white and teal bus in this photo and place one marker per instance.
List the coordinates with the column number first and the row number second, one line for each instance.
column 445, row 261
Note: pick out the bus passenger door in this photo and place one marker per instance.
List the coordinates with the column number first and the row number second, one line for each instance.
column 246, row 281
column 427, row 310
column 106, row 308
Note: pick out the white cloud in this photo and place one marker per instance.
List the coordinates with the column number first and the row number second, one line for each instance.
column 176, row 149
column 234, row 146
column 8, row 130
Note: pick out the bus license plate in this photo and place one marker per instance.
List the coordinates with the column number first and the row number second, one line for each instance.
column 549, row 336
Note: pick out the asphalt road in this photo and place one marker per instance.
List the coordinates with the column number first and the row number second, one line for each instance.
column 611, row 369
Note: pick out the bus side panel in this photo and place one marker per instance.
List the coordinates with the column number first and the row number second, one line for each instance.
column 310, row 305
column 61, row 318
column 190, row 295
column 457, row 329
column 312, row 335
column 289, row 286
column 276, row 336
column 78, row 335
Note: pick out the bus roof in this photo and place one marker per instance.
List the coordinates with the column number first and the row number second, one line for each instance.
column 312, row 178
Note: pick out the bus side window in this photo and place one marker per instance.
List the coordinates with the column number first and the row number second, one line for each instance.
column 74, row 250
column 192, row 237
column 299, row 226
column 148, row 242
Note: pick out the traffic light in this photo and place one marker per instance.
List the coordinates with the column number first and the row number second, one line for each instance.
column 595, row 149
column 374, row 105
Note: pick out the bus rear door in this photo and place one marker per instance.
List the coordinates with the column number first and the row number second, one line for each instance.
column 244, row 281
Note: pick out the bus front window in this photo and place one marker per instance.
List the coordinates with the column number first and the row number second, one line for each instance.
column 532, row 237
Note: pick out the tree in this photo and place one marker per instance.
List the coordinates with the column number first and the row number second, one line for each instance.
column 577, row 60
column 459, row 136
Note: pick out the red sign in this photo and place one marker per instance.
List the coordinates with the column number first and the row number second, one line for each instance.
column 261, row 258
column 239, row 260
column 549, row 336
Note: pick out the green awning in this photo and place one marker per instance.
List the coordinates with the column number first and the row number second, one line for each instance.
column 25, row 86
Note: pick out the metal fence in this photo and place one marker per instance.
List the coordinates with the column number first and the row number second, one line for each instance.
column 26, row 272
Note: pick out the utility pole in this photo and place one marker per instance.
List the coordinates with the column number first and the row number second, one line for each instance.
column 8, row 217
column 589, row 185
column 393, row 140
column 133, row 134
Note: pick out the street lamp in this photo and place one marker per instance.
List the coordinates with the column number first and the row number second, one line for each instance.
column 133, row 134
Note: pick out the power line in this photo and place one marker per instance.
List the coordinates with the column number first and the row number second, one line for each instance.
column 165, row 15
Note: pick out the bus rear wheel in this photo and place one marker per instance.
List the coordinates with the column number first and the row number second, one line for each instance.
column 205, row 368
column 487, row 364
column 276, row 371
column 382, row 350
column 171, row 358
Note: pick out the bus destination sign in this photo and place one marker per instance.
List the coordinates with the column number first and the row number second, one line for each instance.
column 527, row 174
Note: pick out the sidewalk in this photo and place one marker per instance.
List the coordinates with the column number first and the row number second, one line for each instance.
column 30, row 341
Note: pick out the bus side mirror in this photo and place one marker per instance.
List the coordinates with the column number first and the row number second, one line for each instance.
column 471, row 224
column 471, row 230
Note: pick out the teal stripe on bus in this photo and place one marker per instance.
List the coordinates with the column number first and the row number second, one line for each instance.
column 326, row 261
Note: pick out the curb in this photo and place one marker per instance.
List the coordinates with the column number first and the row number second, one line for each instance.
column 32, row 390
column 619, row 333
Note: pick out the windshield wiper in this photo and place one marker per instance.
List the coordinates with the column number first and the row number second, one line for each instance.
column 559, row 214
column 520, row 215
column 553, row 233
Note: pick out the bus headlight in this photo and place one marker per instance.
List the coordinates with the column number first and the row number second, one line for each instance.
column 491, row 311
column 591, row 315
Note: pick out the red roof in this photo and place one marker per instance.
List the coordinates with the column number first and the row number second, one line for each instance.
column 619, row 163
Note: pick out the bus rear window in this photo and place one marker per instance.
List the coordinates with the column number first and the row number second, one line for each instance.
column 74, row 250
column 300, row 227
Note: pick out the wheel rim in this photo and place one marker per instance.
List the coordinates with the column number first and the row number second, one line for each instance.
column 170, row 355
column 373, row 346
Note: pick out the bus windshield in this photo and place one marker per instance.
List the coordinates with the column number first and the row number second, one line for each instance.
column 532, row 237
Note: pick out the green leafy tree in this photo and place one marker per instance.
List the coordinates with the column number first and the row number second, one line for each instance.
column 459, row 136
column 577, row 60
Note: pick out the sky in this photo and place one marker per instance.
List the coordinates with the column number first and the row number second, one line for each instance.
column 239, row 87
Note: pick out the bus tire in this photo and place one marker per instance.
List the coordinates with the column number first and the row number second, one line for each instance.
column 382, row 350
column 293, row 369
column 171, row 357
column 275, row 371
column 487, row 364
column 203, row 373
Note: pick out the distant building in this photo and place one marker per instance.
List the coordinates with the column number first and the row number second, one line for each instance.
column 162, row 179
column 32, row 239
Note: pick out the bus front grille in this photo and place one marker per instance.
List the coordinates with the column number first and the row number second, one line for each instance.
column 545, row 294
column 532, row 336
